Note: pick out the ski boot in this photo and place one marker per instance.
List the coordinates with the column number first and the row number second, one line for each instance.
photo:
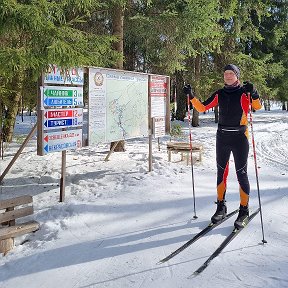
column 220, row 212
column 243, row 217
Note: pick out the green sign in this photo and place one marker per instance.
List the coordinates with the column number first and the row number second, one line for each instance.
column 59, row 93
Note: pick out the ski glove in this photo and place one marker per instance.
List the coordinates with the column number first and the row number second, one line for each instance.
column 249, row 88
column 187, row 89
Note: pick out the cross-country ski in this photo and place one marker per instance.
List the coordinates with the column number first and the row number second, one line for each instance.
column 203, row 232
column 223, row 245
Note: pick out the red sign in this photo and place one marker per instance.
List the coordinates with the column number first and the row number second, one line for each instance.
column 158, row 86
column 59, row 113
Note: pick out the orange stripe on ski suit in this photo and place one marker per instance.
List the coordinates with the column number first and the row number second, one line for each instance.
column 245, row 103
column 201, row 107
column 221, row 188
column 244, row 198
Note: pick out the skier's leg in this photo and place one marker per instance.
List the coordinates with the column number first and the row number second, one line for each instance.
column 222, row 157
column 223, row 151
column 240, row 153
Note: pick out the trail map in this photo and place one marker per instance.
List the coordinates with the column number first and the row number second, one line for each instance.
column 118, row 105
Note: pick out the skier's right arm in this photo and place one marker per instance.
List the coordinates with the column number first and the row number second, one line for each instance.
column 211, row 102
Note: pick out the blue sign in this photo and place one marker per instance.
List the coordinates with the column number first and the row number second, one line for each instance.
column 60, row 147
column 60, row 122
column 63, row 101
column 58, row 101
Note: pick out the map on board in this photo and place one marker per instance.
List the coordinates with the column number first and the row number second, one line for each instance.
column 118, row 105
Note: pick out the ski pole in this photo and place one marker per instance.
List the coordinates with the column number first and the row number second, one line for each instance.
column 256, row 169
column 191, row 157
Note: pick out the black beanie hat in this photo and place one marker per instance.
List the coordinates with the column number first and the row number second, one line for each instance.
column 234, row 68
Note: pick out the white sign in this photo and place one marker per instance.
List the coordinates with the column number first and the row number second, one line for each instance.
column 159, row 126
column 62, row 140
column 158, row 93
column 158, row 106
column 55, row 75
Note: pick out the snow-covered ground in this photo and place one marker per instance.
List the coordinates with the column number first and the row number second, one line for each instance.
column 118, row 220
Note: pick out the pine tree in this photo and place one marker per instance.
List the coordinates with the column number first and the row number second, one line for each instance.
column 274, row 45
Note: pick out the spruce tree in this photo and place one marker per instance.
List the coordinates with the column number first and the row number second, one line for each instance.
column 35, row 34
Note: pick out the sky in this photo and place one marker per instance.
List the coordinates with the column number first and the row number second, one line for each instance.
column 118, row 220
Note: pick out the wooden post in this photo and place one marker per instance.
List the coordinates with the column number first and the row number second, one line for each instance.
column 150, row 127
column 63, row 176
column 111, row 150
column 150, row 153
column 18, row 152
column 6, row 245
column 40, row 116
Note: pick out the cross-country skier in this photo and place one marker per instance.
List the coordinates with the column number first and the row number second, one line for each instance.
column 232, row 136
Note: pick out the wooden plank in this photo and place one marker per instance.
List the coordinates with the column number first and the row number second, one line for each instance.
column 6, row 245
column 26, row 199
column 11, row 215
column 183, row 146
column 20, row 229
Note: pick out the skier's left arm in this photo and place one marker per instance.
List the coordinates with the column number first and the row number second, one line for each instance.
column 256, row 104
column 255, row 99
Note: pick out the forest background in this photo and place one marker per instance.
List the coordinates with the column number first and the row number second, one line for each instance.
column 190, row 41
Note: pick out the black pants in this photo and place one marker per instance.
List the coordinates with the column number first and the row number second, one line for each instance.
column 237, row 143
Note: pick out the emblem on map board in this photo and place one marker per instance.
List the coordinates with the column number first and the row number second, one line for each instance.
column 98, row 79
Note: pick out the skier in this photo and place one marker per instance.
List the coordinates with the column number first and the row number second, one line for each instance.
column 232, row 136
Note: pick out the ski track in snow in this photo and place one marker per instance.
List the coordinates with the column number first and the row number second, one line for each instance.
column 272, row 149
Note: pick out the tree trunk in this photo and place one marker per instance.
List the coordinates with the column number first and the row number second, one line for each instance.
column 117, row 27
column 180, row 97
column 118, row 31
column 11, row 113
column 265, row 105
column 195, row 118
column 268, row 103
column 1, row 128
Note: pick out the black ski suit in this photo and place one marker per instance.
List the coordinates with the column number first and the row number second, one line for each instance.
column 232, row 135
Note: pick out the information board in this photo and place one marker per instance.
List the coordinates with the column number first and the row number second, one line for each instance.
column 118, row 105
column 60, row 119
column 159, row 98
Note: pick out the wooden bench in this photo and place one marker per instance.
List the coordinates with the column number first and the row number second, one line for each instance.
column 184, row 148
column 8, row 227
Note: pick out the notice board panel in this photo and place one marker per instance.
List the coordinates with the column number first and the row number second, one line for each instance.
column 118, row 105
